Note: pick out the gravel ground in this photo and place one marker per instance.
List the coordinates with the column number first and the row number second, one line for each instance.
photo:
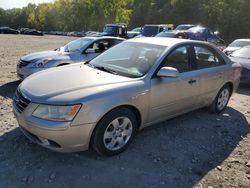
column 198, row 149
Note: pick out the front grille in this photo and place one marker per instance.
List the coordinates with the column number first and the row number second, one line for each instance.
column 23, row 63
column 20, row 101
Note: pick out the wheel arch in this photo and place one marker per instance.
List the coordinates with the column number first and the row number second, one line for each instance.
column 231, row 86
column 128, row 106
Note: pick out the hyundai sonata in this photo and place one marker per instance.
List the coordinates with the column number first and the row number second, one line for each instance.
column 139, row 82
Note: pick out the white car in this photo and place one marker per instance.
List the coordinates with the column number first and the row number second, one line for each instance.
column 236, row 44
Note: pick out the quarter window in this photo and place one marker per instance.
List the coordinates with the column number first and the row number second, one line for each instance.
column 179, row 59
column 205, row 58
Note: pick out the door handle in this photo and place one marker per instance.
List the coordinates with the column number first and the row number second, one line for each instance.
column 191, row 81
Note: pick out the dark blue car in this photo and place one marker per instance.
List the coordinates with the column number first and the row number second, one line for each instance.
column 203, row 34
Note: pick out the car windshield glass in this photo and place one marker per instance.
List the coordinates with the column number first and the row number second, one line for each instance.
column 183, row 27
column 242, row 53
column 76, row 45
column 130, row 59
column 110, row 29
column 239, row 43
column 149, row 31
column 196, row 29
column 138, row 29
column 165, row 34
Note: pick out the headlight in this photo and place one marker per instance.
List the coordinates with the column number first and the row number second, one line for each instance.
column 41, row 63
column 56, row 113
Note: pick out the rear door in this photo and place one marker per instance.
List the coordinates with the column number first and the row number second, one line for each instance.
column 172, row 96
column 210, row 69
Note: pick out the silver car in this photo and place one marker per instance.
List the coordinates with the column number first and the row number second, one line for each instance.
column 83, row 49
column 135, row 84
column 242, row 56
column 236, row 45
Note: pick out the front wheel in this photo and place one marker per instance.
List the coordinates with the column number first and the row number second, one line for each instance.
column 221, row 100
column 114, row 132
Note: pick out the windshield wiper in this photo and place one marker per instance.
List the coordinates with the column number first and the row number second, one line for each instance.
column 86, row 62
column 105, row 69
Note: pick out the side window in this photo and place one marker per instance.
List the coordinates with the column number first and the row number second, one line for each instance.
column 205, row 58
column 179, row 59
column 99, row 46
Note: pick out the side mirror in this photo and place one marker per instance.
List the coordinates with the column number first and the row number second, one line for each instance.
column 90, row 51
column 168, row 72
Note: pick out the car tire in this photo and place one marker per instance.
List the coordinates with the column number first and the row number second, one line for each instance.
column 114, row 132
column 221, row 100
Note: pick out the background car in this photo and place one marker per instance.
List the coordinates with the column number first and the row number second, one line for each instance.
column 202, row 34
column 32, row 32
column 171, row 34
column 242, row 56
column 184, row 27
column 137, row 83
column 236, row 44
column 8, row 30
column 134, row 32
column 150, row 30
column 83, row 49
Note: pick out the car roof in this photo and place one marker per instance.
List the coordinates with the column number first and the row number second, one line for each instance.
column 104, row 37
column 163, row 41
column 198, row 26
column 242, row 40
column 186, row 25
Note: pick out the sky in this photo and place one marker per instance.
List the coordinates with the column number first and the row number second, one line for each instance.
column 8, row 4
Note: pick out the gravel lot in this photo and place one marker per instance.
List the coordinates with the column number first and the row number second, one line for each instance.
column 198, row 149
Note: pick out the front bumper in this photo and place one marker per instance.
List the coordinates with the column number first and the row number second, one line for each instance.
column 57, row 136
column 24, row 72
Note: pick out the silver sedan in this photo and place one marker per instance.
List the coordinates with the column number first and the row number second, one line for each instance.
column 83, row 49
column 135, row 84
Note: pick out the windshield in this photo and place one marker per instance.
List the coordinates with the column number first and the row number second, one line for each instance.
column 110, row 29
column 165, row 34
column 138, row 29
column 239, row 43
column 183, row 27
column 130, row 59
column 76, row 45
column 150, row 31
column 242, row 53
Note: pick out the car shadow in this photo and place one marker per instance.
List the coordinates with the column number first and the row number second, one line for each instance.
column 244, row 89
column 175, row 153
column 7, row 90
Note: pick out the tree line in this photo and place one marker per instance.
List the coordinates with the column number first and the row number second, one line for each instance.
column 230, row 17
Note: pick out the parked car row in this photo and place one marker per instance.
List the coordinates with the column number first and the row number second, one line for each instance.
column 102, row 102
column 25, row 31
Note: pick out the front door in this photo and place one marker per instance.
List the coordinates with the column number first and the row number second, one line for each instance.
column 173, row 96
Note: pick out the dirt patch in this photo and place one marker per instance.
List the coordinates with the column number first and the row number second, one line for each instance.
column 198, row 149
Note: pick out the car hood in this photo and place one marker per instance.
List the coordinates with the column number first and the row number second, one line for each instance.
column 72, row 84
column 231, row 49
column 55, row 55
column 244, row 62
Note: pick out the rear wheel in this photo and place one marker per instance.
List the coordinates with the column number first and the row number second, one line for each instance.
column 221, row 100
column 114, row 132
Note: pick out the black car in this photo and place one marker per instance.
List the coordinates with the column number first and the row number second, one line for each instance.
column 32, row 32
column 8, row 30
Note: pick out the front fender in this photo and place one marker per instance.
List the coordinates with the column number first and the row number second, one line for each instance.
column 93, row 111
